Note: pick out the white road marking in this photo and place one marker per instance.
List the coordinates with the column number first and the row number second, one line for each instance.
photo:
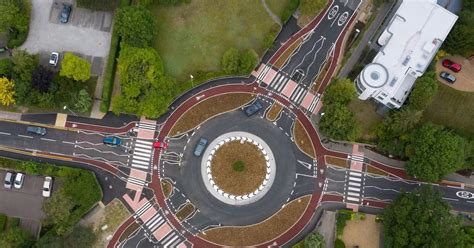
column 451, row 199
column 354, row 189
column 25, row 136
column 5, row 133
column 353, row 199
column 67, row 142
column 355, row 179
column 142, row 150
column 52, row 140
column 382, row 189
column 355, row 173
column 142, row 145
column 354, row 184
column 144, row 142
column 353, row 194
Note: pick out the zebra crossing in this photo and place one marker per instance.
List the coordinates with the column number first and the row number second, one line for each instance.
column 356, row 158
column 353, row 189
column 173, row 239
column 279, row 82
column 144, row 125
column 298, row 94
column 142, row 154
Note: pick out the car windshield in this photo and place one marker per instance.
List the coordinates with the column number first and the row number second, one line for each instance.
column 45, row 189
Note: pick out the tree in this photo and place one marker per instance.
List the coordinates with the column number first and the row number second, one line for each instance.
column 420, row 219
column 426, row 87
column 136, row 25
column 434, row 152
column 248, row 60
column 339, row 123
column 231, row 61
column 24, row 64
column 15, row 237
column 341, row 90
column 57, row 210
column 6, row 67
column 81, row 236
column 461, row 38
column 7, row 91
column 41, row 78
column 75, row 67
column 314, row 240
column 83, row 102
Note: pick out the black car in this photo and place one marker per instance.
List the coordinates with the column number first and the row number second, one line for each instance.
column 448, row 77
column 65, row 12
column 253, row 108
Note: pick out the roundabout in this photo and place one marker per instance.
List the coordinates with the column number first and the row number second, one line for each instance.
column 238, row 168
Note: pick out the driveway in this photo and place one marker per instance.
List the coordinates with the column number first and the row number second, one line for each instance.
column 87, row 32
column 25, row 202
column 464, row 78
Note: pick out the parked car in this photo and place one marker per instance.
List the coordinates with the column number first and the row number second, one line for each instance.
column 19, row 178
column 448, row 77
column 160, row 145
column 253, row 108
column 3, row 49
column 8, row 181
column 451, row 65
column 65, row 12
column 36, row 130
column 47, row 185
column 112, row 141
column 53, row 59
column 200, row 147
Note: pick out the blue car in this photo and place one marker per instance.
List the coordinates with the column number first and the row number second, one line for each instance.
column 112, row 141
column 65, row 12
column 253, row 108
column 200, row 147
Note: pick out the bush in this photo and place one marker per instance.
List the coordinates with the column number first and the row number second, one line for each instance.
column 135, row 25
column 15, row 20
column 3, row 222
column 289, row 10
column 75, row 67
column 6, row 66
column 239, row 166
column 14, row 222
column 339, row 244
column 342, row 217
column 271, row 36
column 109, row 75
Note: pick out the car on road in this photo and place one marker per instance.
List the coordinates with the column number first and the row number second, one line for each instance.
column 36, row 130
column 8, row 181
column 65, row 13
column 53, row 59
column 160, row 145
column 451, row 65
column 19, row 178
column 112, row 141
column 253, row 108
column 448, row 77
column 200, row 147
column 47, row 184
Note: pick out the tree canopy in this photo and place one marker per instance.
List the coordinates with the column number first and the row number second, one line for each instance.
column 461, row 38
column 339, row 123
column 15, row 20
column 314, row 240
column 420, row 219
column 75, row 67
column 426, row 87
column 145, row 88
column 42, row 78
column 434, row 152
column 341, row 90
column 136, row 25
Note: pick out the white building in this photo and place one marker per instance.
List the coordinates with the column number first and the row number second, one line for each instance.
column 409, row 43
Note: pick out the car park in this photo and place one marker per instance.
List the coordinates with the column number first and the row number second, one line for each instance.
column 8, row 181
column 448, row 77
column 112, row 141
column 451, row 65
column 53, row 59
column 160, row 145
column 19, row 178
column 36, row 130
column 200, row 147
column 253, row 108
column 47, row 185
column 65, row 13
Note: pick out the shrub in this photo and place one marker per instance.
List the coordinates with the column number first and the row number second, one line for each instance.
column 289, row 10
column 271, row 36
column 135, row 25
column 14, row 222
column 339, row 244
column 6, row 66
column 75, row 67
column 231, row 61
column 342, row 217
column 3, row 222
column 239, row 166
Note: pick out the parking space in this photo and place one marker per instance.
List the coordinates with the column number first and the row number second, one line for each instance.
column 87, row 33
column 25, row 202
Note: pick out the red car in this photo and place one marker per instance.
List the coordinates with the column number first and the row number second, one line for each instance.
column 451, row 65
column 160, row 145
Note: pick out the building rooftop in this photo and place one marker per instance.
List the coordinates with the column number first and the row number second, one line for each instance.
column 409, row 43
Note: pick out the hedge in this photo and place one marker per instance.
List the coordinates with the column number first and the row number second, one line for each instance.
column 109, row 75
column 3, row 222
column 289, row 10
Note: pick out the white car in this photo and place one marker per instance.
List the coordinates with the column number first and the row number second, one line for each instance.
column 53, row 59
column 48, row 182
column 19, row 178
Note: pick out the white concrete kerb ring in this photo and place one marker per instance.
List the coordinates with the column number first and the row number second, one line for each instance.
column 214, row 189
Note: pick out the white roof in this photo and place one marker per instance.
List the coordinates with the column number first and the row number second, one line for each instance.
column 409, row 43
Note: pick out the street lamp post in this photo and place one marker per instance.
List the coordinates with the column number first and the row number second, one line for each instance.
column 192, row 80
column 66, row 108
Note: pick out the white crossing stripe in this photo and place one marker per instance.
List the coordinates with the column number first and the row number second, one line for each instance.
column 355, row 179
column 142, row 150
column 354, row 184
column 353, row 194
column 355, row 173
column 134, row 161
column 353, row 199
column 136, row 181
column 141, row 158
column 176, row 243
column 354, row 189
column 168, row 243
column 140, row 166
column 142, row 145
column 144, row 142
column 141, row 154
column 155, row 222
column 142, row 210
column 146, row 126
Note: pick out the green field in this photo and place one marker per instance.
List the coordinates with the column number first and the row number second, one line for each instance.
column 452, row 108
column 364, row 112
column 193, row 37
column 278, row 6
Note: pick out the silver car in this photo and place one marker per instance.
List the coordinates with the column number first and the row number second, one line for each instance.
column 19, row 178
column 8, row 182
column 200, row 147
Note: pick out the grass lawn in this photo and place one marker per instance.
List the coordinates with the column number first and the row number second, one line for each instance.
column 278, row 6
column 364, row 112
column 452, row 108
column 194, row 36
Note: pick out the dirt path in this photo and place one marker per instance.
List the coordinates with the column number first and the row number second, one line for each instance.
column 270, row 13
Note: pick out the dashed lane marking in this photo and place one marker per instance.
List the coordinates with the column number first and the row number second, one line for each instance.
column 25, row 136
column 52, row 140
column 5, row 133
